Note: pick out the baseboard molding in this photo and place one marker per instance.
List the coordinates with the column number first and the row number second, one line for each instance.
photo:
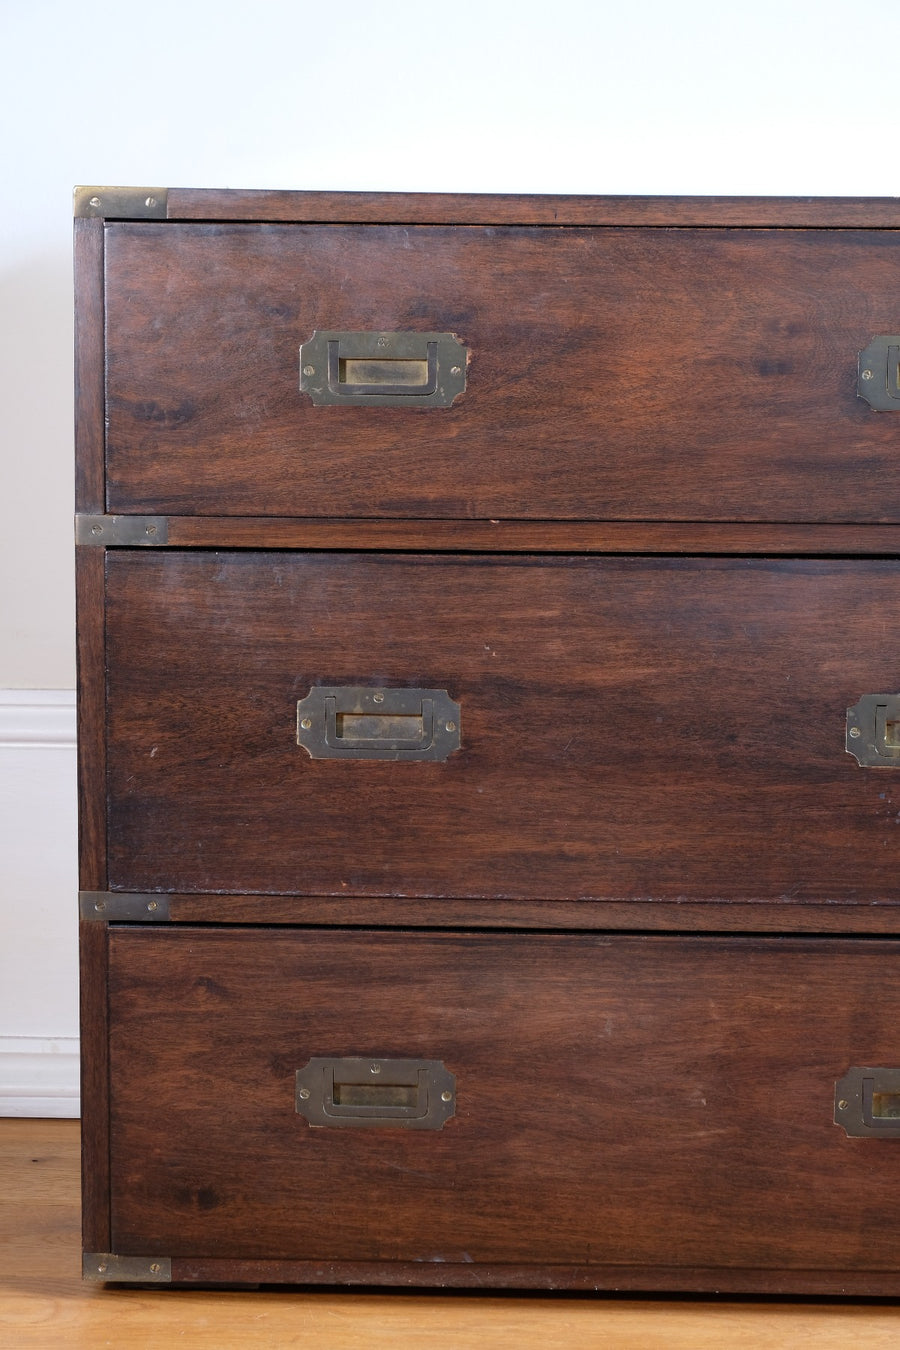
column 37, row 717
column 38, row 889
column 39, row 1076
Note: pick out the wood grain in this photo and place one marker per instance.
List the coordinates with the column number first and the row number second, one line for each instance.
column 89, row 367
column 621, row 1102
column 430, row 208
column 94, row 950
column 90, row 565
column 645, row 915
column 654, row 374
column 527, row 536
column 632, row 728
column 43, row 1302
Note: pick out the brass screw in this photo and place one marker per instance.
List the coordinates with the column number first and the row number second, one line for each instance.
column 95, row 201
column 378, row 698
column 843, row 1106
column 451, row 726
column 152, row 905
column 96, row 529
column 100, row 906
column 306, row 723
column 309, row 370
column 456, row 370
column 155, row 1268
column 374, row 1068
column 446, row 1096
column 151, row 529
column 102, row 1268
column 854, row 731
column 867, row 374
column 151, row 201
column 303, row 1094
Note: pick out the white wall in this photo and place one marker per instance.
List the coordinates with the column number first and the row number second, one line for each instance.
column 777, row 96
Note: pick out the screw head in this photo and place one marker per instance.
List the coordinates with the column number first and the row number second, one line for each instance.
column 155, row 1267
column 151, row 529
column 100, row 906
column 378, row 698
column 868, row 374
column 374, row 1068
column 855, row 731
column 309, row 370
column 446, row 1096
column 451, row 726
column 96, row 529
column 303, row 1094
column 842, row 1106
column 456, row 370
column 102, row 1268
column 95, row 201
column 152, row 905
column 150, row 201
column 306, row 723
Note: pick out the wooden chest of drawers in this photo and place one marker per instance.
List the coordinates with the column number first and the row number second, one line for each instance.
column 488, row 616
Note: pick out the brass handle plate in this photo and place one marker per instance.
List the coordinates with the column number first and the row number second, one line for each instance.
column 355, row 722
column 873, row 731
column 867, row 1103
column 878, row 381
column 410, row 1094
column 397, row 370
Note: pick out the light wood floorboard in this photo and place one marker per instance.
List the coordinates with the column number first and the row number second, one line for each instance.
column 44, row 1304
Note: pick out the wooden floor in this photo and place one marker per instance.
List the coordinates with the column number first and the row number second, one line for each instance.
column 43, row 1302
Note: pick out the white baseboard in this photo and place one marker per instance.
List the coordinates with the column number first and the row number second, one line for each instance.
column 38, row 1076
column 38, row 904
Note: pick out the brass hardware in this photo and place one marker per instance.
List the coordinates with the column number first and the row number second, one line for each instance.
column 122, row 203
column 867, row 1103
column 410, row 1094
column 879, row 374
column 873, row 731
column 354, row 722
column 123, row 907
column 110, row 1269
column 397, row 370
column 130, row 531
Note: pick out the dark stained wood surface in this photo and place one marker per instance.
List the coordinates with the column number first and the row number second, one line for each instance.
column 621, row 1101
column 91, row 655
column 652, row 374
column 94, row 948
column 547, row 536
column 647, row 915
column 632, row 728
column 89, row 367
column 430, row 208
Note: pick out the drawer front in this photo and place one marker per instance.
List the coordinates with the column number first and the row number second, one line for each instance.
column 628, row 727
column 618, row 1101
column 630, row 374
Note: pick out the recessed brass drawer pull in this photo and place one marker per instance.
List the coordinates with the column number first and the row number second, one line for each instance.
column 353, row 722
column 879, row 374
column 411, row 370
column 867, row 1103
column 412, row 1094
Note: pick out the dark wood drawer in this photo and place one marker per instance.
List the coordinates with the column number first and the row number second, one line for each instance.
column 631, row 728
column 628, row 1111
column 614, row 374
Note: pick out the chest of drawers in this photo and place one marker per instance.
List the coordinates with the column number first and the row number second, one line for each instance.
column 488, row 619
